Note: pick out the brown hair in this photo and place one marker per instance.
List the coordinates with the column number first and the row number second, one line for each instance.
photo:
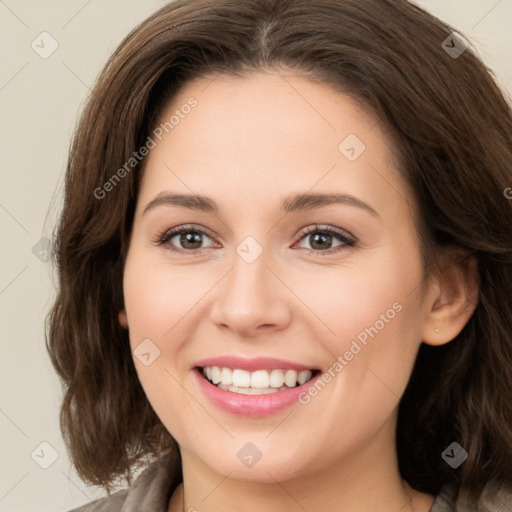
column 452, row 133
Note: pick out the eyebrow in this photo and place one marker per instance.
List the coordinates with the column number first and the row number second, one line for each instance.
column 298, row 202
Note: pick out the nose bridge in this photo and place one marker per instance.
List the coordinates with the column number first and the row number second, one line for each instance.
column 251, row 295
column 250, row 277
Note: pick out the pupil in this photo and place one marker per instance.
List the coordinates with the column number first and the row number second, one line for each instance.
column 191, row 238
column 322, row 237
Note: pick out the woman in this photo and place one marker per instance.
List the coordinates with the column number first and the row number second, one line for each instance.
column 255, row 372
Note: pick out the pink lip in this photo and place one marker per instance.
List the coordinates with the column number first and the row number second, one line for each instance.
column 251, row 405
column 259, row 363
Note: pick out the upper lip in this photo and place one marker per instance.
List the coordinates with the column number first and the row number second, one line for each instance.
column 258, row 363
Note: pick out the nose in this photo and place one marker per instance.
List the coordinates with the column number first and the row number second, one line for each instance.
column 252, row 298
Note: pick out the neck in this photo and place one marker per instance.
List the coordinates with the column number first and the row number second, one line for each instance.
column 366, row 479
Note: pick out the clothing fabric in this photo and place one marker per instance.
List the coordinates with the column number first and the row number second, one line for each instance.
column 496, row 497
column 152, row 489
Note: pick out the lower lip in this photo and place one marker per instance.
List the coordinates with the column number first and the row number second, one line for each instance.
column 252, row 405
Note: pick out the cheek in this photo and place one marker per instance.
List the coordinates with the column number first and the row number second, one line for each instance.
column 374, row 318
column 354, row 300
column 153, row 296
column 153, row 307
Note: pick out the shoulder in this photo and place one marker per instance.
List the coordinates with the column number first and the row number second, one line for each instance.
column 112, row 503
column 496, row 497
column 151, row 490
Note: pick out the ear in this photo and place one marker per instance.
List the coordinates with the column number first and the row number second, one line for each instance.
column 452, row 299
column 123, row 320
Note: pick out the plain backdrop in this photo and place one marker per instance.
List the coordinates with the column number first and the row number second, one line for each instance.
column 40, row 100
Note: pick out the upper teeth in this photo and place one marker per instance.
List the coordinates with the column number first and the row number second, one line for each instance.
column 258, row 379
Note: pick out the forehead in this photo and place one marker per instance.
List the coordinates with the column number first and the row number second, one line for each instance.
column 268, row 134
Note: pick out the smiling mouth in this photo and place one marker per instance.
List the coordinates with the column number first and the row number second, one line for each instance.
column 259, row 382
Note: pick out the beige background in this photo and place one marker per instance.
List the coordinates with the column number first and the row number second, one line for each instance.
column 40, row 100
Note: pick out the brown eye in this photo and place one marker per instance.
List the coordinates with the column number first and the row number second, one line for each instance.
column 321, row 240
column 186, row 239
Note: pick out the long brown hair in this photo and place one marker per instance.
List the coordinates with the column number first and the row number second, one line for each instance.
column 451, row 128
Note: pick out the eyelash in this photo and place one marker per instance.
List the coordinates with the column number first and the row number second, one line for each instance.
column 342, row 236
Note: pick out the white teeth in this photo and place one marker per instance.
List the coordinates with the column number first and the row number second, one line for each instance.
column 276, row 378
column 290, row 378
column 241, row 378
column 260, row 379
column 251, row 391
column 226, row 376
column 215, row 374
column 263, row 391
column 304, row 376
column 255, row 383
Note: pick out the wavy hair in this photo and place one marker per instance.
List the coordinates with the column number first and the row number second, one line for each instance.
column 451, row 128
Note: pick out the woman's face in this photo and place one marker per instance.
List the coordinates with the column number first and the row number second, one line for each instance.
column 256, row 277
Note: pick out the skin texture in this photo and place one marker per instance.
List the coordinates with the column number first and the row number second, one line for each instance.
column 250, row 143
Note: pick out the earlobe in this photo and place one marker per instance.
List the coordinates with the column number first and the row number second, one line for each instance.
column 123, row 320
column 454, row 299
